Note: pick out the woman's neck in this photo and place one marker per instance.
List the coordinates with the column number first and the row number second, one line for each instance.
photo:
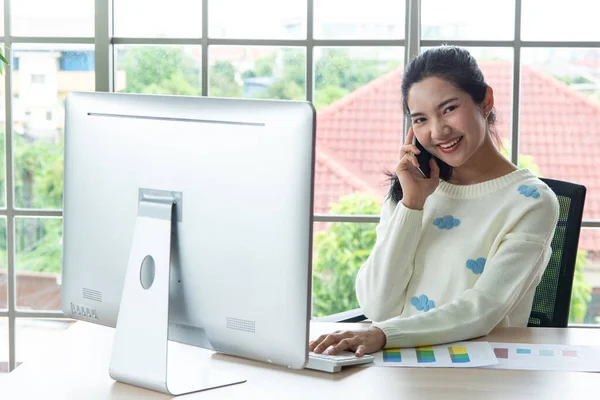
column 488, row 163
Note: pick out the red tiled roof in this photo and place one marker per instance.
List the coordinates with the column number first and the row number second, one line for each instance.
column 360, row 134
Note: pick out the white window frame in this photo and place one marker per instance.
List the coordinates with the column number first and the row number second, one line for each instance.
column 104, row 42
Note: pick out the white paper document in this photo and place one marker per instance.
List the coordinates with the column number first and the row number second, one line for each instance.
column 546, row 357
column 455, row 355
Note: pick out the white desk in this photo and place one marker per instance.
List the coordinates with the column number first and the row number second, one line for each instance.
column 77, row 368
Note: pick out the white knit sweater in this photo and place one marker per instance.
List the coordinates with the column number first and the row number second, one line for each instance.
column 469, row 261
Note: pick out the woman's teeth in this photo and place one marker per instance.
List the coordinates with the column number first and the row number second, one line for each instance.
column 447, row 146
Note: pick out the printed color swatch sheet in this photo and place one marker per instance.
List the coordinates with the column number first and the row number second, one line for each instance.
column 548, row 357
column 460, row 355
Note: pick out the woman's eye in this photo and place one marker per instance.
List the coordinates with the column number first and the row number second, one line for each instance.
column 449, row 108
column 418, row 120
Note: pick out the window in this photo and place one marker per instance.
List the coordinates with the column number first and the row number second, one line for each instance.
column 348, row 61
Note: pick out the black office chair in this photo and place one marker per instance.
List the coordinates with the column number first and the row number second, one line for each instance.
column 553, row 295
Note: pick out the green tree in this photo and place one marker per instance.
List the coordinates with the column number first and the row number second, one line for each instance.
column 338, row 69
column 38, row 184
column 327, row 95
column 289, row 69
column 38, row 173
column 582, row 291
column 160, row 69
column 339, row 253
column 222, row 80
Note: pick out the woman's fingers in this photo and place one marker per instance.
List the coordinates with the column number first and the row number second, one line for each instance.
column 329, row 340
column 345, row 344
column 316, row 342
column 409, row 136
column 409, row 148
column 360, row 351
column 409, row 158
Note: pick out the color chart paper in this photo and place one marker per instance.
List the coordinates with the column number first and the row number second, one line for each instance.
column 546, row 357
column 460, row 355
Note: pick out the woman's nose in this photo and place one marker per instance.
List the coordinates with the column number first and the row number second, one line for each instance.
column 440, row 130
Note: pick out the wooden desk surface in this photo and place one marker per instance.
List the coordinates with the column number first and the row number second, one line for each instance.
column 77, row 368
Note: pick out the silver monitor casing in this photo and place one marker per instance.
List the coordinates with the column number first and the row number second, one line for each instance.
column 241, row 249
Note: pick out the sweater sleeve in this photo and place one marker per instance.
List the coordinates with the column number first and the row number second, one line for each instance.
column 516, row 266
column 382, row 280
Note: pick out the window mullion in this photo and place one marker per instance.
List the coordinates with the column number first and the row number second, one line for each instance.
column 102, row 46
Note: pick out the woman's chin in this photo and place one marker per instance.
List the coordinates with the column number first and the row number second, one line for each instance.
column 454, row 162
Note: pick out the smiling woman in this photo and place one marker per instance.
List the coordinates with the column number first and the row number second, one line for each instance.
column 461, row 252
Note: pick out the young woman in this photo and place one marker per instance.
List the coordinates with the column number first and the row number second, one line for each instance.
column 463, row 251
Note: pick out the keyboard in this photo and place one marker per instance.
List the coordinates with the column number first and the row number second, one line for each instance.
column 334, row 363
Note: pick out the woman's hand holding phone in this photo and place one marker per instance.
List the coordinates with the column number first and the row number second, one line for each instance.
column 415, row 187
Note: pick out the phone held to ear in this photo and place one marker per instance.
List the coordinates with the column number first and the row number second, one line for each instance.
column 423, row 158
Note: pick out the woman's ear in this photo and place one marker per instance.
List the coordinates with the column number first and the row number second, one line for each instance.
column 488, row 101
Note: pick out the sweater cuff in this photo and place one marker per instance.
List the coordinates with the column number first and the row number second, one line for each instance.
column 394, row 334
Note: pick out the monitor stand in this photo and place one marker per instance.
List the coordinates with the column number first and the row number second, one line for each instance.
column 140, row 353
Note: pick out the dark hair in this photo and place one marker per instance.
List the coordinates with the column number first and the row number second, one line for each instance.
column 457, row 66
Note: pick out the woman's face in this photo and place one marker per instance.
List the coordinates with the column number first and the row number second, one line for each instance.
column 446, row 121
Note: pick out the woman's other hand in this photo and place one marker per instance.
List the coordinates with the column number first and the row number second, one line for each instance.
column 360, row 342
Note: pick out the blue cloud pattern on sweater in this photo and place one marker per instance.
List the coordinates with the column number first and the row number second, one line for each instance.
column 529, row 191
column 476, row 265
column 422, row 303
column 447, row 222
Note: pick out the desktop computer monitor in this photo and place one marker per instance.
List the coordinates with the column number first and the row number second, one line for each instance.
column 189, row 218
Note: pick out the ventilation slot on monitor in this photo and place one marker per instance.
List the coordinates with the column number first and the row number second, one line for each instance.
column 91, row 294
column 241, row 324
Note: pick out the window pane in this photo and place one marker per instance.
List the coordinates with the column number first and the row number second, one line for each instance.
column 3, row 345
column 159, row 69
column 585, row 298
column 257, row 72
column 53, row 18
column 172, row 19
column 42, row 77
column 575, row 20
column 3, row 266
column 468, row 20
column 356, row 19
column 1, row 17
column 38, row 263
column 339, row 251
column 35, row 336
column 560, row 117
column 359, row 125
column 2, row 140
column 258, row 19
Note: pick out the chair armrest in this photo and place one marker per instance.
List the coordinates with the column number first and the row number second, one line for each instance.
column 355, row 315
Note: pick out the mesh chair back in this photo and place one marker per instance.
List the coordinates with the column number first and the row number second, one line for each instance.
column 553, row 294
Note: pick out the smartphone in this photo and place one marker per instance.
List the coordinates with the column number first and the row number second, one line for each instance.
column 423, row 158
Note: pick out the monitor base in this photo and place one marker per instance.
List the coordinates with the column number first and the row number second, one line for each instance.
column 140, row 353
